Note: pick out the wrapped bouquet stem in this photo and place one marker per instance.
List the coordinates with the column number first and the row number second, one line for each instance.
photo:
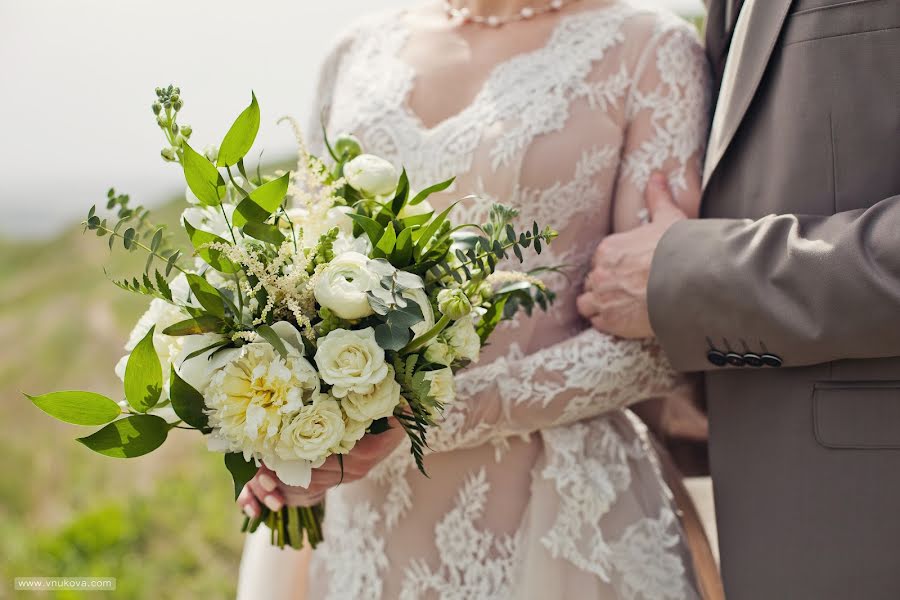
column 315, row 305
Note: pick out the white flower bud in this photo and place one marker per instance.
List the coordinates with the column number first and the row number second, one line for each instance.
column 371, row 175
column 453, row 303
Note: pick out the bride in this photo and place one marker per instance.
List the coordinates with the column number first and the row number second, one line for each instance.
column 543, row 484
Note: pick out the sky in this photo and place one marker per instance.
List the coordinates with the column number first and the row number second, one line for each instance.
column 77, row 80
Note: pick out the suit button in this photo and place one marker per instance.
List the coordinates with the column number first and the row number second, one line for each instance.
column 734, row 359
column 770, row 360
column 753, row 360
column 717, row 358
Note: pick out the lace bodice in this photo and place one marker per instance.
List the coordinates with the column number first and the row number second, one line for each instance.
column 542, row 485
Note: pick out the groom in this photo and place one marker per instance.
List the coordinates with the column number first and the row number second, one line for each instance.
column 787, row 295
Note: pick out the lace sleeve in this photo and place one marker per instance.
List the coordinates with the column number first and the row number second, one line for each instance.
column 667, row 112
column 584, row 376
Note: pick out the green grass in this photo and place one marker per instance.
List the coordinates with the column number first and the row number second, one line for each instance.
column 164, row 525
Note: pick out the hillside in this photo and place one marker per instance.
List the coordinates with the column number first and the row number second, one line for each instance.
column 164, row 524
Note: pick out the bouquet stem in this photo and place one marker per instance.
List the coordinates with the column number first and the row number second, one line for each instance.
column 290, row 525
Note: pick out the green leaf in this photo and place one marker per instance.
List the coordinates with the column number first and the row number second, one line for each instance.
column 187, row 402
column 385, row 245
column 438, row 187
column 426, row 233
column 143, row 375
column 208, row 296
column 270, row 336
column 262, row 202
column 372, row 228
column 396, row 332
column 402, row 193
column 199, row 239
column 264, row 232
column 196, row 325
column 78, row 408
column 129, row 437
column 202, row 177
column 403, row 249
column 241, row 471
column 128, row 238
column 417, row 220
column 240, row 137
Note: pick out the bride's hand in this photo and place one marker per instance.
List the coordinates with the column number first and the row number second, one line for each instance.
column 265, row 487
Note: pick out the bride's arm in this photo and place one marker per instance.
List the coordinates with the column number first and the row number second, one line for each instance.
column 592, row 372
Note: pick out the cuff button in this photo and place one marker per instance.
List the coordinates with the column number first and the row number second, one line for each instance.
column 770, row 360
column 734, row 359
column 717, row 358
column 753, row 360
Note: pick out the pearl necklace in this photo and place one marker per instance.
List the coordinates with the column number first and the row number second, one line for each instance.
column 527, row 12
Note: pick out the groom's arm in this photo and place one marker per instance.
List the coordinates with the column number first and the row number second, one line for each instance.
column 807, row 289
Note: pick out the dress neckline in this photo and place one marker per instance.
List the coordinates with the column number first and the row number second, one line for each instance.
column 523, row 57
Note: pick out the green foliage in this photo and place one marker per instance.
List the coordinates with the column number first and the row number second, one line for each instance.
column 241, row 470
column 262, row 202
column 208, row 296
column 395, row 331
column 196, row 325
column 264, row 232
column 187, row 402
column 270, row 336
column 129, row 437
column 143, row 375
column 240, row 137
column 202, row 177
column 214, row 258
column 78, row 408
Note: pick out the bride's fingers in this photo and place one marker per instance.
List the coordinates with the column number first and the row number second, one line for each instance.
column 273, row 499
column 248, row 503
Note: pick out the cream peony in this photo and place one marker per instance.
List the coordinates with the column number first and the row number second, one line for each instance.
column 312, row 432
column 343, row 284
column 378, row 403
column 351, row 361
column 371, row 175
column 463, row 339
column 249, row 398
column 443, row 387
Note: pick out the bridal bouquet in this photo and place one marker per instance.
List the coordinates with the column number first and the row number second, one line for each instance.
column 315, row 304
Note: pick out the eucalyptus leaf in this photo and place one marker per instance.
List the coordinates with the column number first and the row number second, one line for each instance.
column 187, row 402
column 240, row 136
column 143, row 375
column 202, row 177
column 129, row 437
column 241, row 470
column 78, row 408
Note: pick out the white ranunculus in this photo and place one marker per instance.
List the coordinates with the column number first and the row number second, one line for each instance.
column 371, row 175
column 421, row 208
column 343, row 285
column 348, row 243
column 419, row 296
column 463, row 339
column 443, row 387
column 312, row 432
column 378, row 403
column 351, row 361
column 252, row 395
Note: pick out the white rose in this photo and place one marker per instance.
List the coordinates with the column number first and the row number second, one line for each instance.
column 312, row 432
column 463, row 339
column 343, row 284
column 438, row 352
column 353, row 432
column 371, row 175
column 442, row 385
column 351, row 361
column 378, row 403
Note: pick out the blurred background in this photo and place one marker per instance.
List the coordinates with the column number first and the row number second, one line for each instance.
column 77, row 80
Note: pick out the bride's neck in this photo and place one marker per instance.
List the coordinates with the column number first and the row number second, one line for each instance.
column 497, row 8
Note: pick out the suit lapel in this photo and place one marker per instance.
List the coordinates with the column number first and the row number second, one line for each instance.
column 754, row 39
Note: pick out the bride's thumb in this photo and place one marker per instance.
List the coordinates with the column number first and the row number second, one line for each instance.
column 660, row 203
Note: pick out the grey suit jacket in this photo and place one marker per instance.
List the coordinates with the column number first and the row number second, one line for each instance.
column 787, row 294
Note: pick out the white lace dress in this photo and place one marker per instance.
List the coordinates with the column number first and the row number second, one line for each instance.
column 542, row 485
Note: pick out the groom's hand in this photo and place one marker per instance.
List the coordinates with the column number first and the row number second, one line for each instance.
column 615, row 296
